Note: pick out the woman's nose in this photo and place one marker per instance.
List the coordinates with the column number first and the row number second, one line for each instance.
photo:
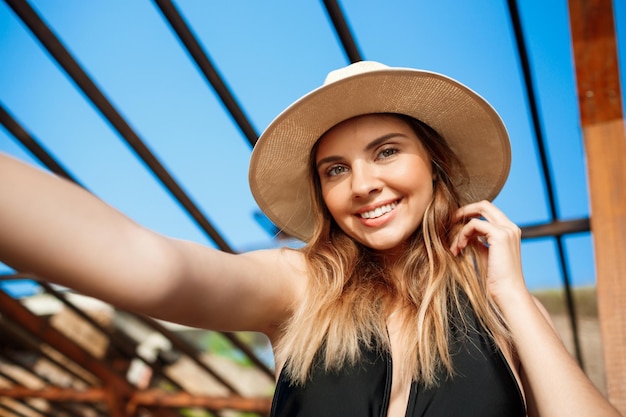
column 365, row 181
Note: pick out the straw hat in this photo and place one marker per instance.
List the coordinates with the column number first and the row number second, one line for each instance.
column 279, row 164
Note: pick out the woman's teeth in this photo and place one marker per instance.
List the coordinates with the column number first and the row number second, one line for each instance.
column 378, row 211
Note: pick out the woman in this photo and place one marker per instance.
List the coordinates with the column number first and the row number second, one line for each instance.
column 408, row 298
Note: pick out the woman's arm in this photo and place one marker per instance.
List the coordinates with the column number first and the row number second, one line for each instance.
column 553, row 382
column 59, row 232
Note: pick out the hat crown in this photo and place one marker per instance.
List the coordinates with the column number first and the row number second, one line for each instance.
column 357, row 68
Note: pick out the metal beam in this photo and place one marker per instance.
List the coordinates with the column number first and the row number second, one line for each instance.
column 37, row 326
column 247, row 351
column 187, row 349
column 556, row 228
column 11, row 409
column 207, row 68
column 32, row 342
column 33, row 145
column 342, row 29
column 57, row 394
column 158, row 398
column 15, row 382
column 60, row 53
column 545, row 167
column 124, row 347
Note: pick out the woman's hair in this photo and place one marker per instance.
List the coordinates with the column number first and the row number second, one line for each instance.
column 351, row 292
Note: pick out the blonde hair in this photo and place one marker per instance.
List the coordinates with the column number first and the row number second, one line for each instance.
column 350, row 290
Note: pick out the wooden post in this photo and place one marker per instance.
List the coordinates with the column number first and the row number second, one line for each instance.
column 602, row 119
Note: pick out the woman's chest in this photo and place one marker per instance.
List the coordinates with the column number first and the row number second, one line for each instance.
column 482, row 385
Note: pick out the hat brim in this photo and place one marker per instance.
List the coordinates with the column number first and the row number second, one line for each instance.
column 279, row 162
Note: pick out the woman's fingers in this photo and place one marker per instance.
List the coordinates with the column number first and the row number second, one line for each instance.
column 499, row 240
column 484, row 222
column 474, row 229
column 482, row 209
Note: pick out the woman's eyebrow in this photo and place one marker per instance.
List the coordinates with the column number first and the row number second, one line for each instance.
column 328, row 159
column 376, row 142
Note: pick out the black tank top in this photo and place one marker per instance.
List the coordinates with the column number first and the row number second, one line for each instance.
column 483, row 385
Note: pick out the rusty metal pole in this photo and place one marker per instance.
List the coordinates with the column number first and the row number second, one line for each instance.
column 118, row 389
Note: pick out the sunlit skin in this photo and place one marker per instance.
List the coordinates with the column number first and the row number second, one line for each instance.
column 375, row 162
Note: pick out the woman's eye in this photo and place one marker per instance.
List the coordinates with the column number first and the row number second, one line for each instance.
column 335, row 170
column 386, row 153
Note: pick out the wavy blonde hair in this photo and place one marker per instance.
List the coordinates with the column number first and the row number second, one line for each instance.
column 351, row 292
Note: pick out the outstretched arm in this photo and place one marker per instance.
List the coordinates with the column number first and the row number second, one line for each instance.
column 554, row 383
column 59, row 232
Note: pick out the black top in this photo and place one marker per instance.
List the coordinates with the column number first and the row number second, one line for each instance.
column 483, row 385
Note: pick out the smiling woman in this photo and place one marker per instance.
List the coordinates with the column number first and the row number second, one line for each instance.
column 393, row 307
column 381, row 164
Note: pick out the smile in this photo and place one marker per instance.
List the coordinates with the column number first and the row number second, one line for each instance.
column 378, row 211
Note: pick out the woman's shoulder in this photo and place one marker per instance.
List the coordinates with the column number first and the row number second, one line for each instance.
column 280, row 274
column 288, row 260
column 286, row 268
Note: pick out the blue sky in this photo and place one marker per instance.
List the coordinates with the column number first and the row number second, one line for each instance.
column 270, row 53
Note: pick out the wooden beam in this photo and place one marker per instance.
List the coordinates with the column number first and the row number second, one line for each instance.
column 153, row 398
column 159, row 398
column 117, row 387
column 602, row 119
column 57, row 394
column 595, row 60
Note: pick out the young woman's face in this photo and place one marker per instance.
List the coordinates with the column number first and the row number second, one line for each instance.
column 376, row 179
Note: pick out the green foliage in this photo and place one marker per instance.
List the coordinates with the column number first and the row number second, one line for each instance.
column 195, row 413
column 217, row 344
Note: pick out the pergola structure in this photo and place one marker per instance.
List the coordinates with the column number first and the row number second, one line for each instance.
column 98, row 385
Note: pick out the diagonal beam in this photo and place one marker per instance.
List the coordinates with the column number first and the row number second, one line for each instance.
column 207, row 68
column 21, row 337
column 249, row 353
column 124, row 347
column 11, row 409
column 180, row 343
column 183, row 346
column 343, row 31
column 545, row 168
column 45, row 380
column 33, row 145
column 60, row 53
column 15, row 311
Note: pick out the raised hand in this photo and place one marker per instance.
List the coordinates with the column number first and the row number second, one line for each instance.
column 498, row 240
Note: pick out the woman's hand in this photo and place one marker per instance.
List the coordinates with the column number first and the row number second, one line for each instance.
column 553, row 382
column 498, row 240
